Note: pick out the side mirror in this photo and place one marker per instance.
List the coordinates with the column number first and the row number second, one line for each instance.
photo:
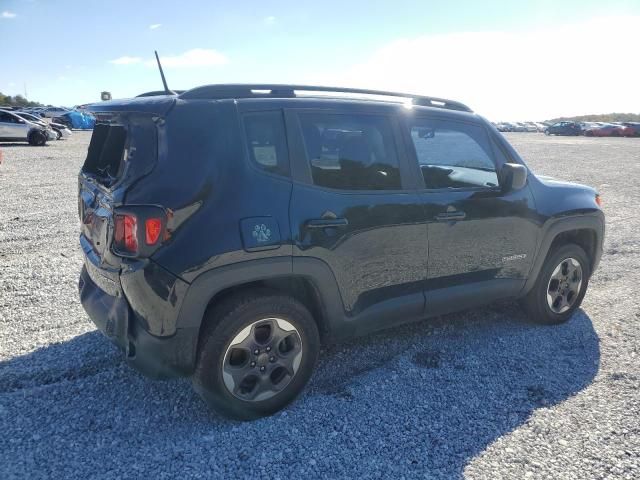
column 513, row 177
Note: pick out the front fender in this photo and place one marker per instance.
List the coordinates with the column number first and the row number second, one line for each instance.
column 593, row 220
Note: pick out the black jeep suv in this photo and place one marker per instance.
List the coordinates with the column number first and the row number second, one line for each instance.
column 230, row 230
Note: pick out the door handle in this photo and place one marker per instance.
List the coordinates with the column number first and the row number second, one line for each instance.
column 450, row 216
column 327, row 223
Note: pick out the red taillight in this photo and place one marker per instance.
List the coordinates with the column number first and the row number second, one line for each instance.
column 598, row 200
column 152, row 230
column 126, row 233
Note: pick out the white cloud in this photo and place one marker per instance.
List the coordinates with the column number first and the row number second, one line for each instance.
column 12, row 84
column 155, row 26
column 573, row 69
column 197, row 57
column 125, row 60
column 270, row 20
column 8, row 14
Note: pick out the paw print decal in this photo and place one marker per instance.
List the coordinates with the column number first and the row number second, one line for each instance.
column 261, row 233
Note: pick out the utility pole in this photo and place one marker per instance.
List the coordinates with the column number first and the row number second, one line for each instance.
column 25, row 90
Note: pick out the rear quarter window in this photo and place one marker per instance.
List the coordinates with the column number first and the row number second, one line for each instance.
column 267, row 142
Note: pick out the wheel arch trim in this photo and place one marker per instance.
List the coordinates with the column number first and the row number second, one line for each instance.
column 554, row 227
column 207, row 285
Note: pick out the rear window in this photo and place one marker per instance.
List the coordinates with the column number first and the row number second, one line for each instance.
column 106, row 152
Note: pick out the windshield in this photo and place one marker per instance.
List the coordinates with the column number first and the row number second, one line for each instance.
column 29, row 117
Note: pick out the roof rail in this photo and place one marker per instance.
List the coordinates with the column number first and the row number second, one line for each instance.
column 222, row 91
column 157, row 93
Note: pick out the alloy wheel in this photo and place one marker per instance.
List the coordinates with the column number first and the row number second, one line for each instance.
column 564, row 285
column 262, row 359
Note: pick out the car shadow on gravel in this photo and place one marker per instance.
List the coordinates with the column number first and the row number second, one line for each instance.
column 422, row 399
column 18, row 144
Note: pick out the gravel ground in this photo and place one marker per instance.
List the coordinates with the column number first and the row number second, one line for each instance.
column 481, row 394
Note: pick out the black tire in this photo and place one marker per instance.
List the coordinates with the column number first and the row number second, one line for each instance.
column 37, row 138
column 223, row 324
column 535, row 302
column 58, row 134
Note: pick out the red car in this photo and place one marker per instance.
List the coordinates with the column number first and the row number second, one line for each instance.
column 631, row 129
column 605, row 130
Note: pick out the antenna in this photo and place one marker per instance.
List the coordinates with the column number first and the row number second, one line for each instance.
column 164, row 80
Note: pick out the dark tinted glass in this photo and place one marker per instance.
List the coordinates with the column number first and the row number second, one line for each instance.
column 266, row 141
column 453, row 155
column 351, row 152
column 7, row 118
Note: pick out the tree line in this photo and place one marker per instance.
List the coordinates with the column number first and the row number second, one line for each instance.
column 605, row 117
column 17, row 101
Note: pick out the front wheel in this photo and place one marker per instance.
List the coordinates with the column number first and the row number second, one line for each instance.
column 256, row 354
column 37, row 138
column 560, row 286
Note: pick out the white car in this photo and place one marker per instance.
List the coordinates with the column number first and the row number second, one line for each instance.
column 61, row 131
column 14, row 128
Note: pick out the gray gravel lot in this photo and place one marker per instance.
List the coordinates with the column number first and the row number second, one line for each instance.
column 481, row 394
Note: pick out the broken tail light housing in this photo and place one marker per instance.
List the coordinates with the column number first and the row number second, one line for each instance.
column 126, row 233
column 139, row 230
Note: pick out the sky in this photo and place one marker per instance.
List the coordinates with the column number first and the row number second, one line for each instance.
column 508, row 60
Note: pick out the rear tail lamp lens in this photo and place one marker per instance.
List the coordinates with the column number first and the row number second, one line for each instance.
column 152, row 230
column 598, row 200
column 126, row 233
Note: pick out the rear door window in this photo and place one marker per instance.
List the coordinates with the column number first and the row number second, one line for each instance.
column 267, row 141
column 453, row 154
column 350, row 152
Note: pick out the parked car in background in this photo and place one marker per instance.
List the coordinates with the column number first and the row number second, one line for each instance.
column 51, row 134
column 633, row 128
column 51, row 112
column 14, row 128
column 61, row 131
column 604, row 130
column 564, row 128
column 530, row 127
column 504, row 127
column 78, row 120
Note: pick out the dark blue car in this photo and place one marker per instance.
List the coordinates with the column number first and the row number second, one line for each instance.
column 564, row 128
column 229, row 231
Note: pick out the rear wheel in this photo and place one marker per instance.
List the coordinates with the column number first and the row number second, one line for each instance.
column 560, row 287
column 256, row 354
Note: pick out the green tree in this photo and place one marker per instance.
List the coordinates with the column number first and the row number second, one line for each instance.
column 17, row 101
column 605, row 117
